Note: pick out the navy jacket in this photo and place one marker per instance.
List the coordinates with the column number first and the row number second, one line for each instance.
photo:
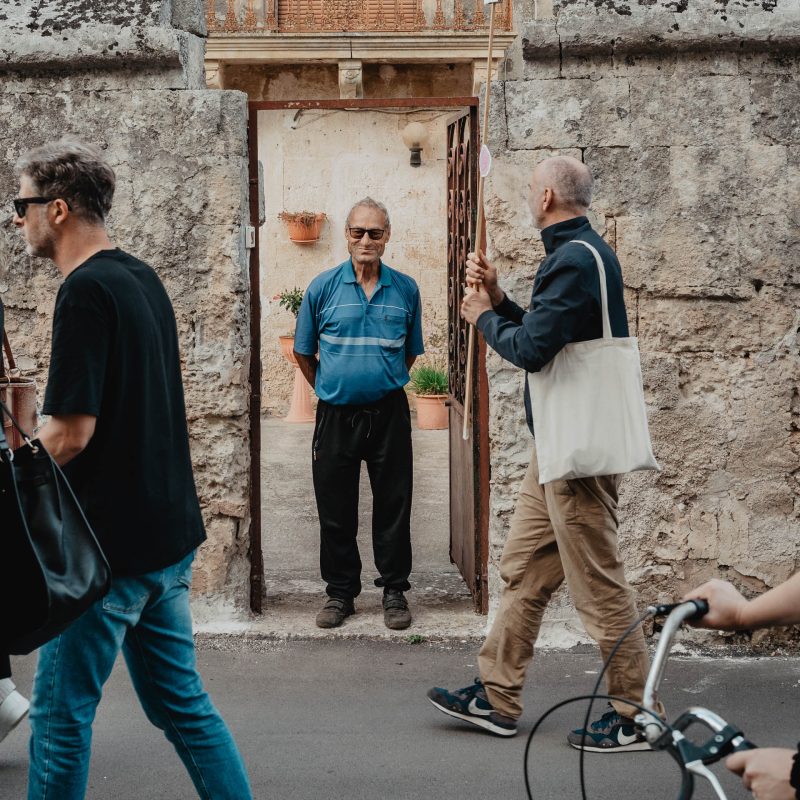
column 565, row 302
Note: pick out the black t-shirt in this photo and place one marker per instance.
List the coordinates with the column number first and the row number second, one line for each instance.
column 115, row 356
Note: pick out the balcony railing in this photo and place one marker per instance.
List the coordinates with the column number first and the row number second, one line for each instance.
column 254, row 17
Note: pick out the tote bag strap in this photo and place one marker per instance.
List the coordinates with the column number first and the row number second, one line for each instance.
column 603, row 288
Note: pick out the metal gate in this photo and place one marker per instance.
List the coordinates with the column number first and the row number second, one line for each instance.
column 469, row 460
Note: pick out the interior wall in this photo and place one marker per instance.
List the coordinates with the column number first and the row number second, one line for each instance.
column 324, row 161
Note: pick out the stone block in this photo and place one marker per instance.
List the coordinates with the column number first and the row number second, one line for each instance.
column 569, row 113
column 775, row 104
column 498, row 116
column 593, row 66
column 721, row 223
column 714, row 326
column 768, row 62
column 676, row 64
column 188, row 15
column 695, row 111
column 629, row 181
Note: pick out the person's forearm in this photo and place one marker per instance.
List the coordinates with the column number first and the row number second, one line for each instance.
column 60, row 442
column 308, row 366
column 778, row 606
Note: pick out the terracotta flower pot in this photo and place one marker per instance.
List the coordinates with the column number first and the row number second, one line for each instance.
column 304, row 230
column 432, row 413
column 300, row 409
column 287, row 348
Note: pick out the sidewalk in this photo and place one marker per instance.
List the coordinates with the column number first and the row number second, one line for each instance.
column 348, row 720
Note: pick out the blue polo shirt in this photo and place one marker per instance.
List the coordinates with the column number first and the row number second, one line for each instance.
column 362, row 343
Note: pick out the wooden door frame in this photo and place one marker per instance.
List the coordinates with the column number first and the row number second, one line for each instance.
column 254, row 551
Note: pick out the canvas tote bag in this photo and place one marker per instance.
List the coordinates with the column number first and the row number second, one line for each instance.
column 588, row 407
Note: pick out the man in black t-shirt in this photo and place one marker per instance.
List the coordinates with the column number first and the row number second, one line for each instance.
column 118, row 424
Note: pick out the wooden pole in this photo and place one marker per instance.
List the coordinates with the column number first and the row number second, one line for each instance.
column 479, row 225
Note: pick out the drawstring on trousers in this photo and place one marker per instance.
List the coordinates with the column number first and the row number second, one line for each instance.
column 370, row 412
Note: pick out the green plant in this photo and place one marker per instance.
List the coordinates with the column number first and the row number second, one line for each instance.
column 428, row 380
column 290, row 299
column 303, row 217
column 415, row 638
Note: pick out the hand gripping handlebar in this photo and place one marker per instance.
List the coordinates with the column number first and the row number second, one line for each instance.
column 692, row 757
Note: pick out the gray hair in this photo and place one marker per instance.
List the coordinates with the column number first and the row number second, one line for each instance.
column 368, row 202
column 570, row 180
column 72, row 170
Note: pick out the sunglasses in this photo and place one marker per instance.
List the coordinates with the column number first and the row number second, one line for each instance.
column 358, row 233
column 21, row 203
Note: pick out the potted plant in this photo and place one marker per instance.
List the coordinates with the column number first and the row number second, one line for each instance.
column 300, row 409
column 429, row 386
column 304, row 226
column 291, row 300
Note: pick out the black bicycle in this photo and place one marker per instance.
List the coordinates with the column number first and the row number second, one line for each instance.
column 692, row 757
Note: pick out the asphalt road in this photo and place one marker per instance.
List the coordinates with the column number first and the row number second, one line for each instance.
column 349, row 719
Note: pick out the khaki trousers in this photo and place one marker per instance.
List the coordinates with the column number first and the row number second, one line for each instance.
column 564, row 529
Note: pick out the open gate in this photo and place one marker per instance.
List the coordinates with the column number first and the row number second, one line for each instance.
column 469, row 460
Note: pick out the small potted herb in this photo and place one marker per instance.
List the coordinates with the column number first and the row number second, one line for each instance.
column 429, row 386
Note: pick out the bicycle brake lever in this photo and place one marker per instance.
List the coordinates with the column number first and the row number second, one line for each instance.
column 699, row 768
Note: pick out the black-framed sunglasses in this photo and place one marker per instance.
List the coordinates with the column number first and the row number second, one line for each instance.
column 358, row 233
column 21, row 203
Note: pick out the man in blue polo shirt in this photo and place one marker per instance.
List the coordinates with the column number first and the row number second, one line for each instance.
column 364, row 320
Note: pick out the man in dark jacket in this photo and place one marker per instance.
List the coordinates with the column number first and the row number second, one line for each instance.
column 118, row 424
column 564, row 529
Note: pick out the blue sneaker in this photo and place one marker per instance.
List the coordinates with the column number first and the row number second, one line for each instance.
column 471, row 705
column 611, row 733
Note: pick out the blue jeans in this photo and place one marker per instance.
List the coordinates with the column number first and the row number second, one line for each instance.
column 148, row 617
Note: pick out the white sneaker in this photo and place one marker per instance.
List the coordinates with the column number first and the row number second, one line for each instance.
column 12, row 711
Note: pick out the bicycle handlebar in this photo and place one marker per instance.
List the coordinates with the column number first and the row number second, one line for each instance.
column 678, row 614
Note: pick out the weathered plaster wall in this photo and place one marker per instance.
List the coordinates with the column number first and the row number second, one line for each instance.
column 687, row 114
column 321, row 81
column 325, row 161
column 181, row 201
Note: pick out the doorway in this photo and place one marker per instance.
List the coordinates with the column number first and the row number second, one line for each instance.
column 321, row 157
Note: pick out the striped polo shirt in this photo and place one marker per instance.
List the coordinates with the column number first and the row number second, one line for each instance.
column 362, row 343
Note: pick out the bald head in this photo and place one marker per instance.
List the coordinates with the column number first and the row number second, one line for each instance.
column 561, row 186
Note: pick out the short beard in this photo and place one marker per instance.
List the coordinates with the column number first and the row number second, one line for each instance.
column 43, row 248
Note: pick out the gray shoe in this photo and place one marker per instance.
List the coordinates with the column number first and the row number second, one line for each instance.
column 395, row 610
column 334, row 612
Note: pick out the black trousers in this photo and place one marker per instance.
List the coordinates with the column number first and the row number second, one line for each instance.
column 344, row 436
column 5, row 666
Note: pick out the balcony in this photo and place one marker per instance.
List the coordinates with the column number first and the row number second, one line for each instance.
column 354, row 34
column 268, row 17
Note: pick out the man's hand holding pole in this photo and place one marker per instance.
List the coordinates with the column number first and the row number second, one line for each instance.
column 482, row 291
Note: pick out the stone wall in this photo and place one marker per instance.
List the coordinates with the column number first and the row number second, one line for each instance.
column 131, row 81
column 324, row 161
column 687, row 113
